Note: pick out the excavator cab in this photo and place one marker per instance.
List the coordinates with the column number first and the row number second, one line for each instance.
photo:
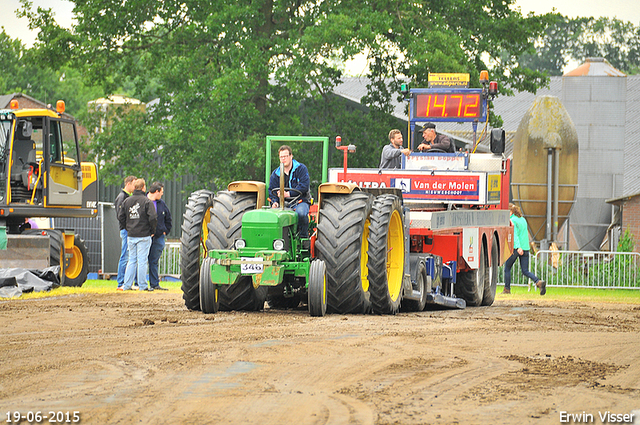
column 24, row 166
column 45, row 167
column 41, row 175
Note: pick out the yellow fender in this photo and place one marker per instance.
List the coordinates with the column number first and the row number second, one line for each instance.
column 341, row 188
column 250, row 186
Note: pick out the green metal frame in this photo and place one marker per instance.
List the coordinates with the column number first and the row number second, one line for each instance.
column 227, row 265
column 271, row 139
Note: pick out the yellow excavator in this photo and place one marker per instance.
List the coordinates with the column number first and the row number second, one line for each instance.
column 42, row 176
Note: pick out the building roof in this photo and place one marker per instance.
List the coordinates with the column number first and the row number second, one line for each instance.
column 5, row 102
column 621, row 199
column 595, row 67
column 116, row 99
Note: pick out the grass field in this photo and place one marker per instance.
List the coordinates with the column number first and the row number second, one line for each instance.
column 629, row 296
column 93, row 287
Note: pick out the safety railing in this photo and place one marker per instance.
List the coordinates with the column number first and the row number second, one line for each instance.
column 169, row 264
column 581, row 269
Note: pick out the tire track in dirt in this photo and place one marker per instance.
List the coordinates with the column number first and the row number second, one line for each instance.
column 136, row 358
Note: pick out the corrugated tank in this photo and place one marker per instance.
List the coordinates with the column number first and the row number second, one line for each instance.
column 595, row 95
column 546, row 125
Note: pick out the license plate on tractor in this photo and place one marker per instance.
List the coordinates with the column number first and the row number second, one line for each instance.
column 251, row 266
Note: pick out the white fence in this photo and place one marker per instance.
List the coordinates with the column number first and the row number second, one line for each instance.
column 578, row 269
column 169, row 264
column 582, row 269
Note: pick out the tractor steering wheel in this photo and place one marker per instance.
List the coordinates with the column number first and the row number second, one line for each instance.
column 289, row 201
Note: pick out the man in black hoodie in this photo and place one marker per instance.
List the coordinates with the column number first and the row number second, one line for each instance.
column 139, row 217
column 156, row 190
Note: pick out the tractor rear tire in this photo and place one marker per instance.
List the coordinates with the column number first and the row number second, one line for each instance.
column 422, row 285
column 317, row 288
column 386, row 254
column 470, row 285
column 242, row 296
column 192, row 245
column 208, row 291
column 76, row 268
column 224, row 228
column 343, row 228
column 491, row 279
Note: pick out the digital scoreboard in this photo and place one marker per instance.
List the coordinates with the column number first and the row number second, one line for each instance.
column 448, row 105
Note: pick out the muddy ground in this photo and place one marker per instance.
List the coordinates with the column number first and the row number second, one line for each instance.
column 143, row 358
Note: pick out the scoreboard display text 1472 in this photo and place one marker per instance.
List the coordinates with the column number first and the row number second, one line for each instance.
column 442, row 105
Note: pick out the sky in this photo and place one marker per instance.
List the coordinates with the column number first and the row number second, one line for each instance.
column 628, row 10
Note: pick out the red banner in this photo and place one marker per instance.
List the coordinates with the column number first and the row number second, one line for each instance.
column 450, row 188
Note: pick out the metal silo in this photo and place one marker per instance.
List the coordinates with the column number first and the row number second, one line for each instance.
column 594, row 95
column 545, row 167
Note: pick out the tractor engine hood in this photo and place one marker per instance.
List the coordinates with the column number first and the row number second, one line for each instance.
column 261, row 227
column 275, row 217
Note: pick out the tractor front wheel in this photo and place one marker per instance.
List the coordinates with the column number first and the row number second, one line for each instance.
column 317, row 288
column 242, row 296
column 208, row 291
column 192, row 245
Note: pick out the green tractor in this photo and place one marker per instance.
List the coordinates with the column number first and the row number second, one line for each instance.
column 237, row 252
column 268, row 254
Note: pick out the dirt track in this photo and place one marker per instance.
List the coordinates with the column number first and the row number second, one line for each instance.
column 143, row 358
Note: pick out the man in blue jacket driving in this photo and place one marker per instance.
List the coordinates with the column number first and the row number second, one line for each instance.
column 296, row 177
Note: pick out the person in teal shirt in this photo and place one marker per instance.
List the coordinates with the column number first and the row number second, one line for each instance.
column 521, row 251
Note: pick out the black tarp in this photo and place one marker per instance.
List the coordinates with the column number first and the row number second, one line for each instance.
column 15, row 282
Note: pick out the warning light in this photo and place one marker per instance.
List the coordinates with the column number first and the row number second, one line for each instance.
column 484, row 77
column 14, row 104
column 60, row 106
column 493, row 88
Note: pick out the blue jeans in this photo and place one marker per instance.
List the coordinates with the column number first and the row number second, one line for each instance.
column 138, row 262
column 124, row 257
column 524, row 266
column 157, row 246
column 302, row 208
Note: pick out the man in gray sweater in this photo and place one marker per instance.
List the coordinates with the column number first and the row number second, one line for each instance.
column 391, row 153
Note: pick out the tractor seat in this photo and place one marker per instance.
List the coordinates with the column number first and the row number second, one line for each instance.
column 24, row 155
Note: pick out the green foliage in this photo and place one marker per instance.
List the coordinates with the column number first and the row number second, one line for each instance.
column 11, row 51
column 627, row 243
column 25, row 72
column 227, row 72
column 577, row 39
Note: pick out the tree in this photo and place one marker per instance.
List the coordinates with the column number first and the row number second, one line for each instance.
column 24, row 72
column 567, row 40
column 613, row 39
column 11, row 51
column 228, row 72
